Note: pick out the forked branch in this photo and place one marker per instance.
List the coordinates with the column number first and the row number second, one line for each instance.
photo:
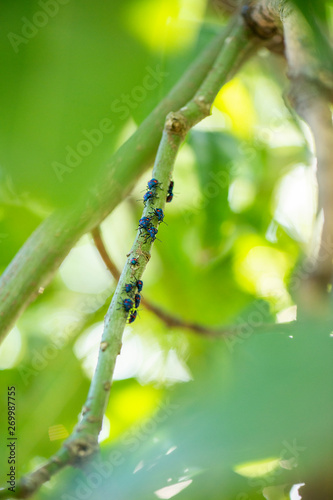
column 83, row 442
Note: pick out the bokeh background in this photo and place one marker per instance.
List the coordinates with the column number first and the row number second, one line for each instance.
column 227, row 418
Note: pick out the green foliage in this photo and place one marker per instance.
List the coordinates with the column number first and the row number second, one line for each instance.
column 183, row 409
column 253, row 399
column 59, row 81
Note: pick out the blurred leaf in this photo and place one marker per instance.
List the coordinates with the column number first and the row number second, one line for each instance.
column 253, row 397
column 215, row 155
column 174, row 64
column 67, row 73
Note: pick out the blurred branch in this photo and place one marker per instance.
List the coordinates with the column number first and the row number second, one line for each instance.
column 311, row 88
column 99, row 243
column 170, row 320
column 83, row 442
column 39, row 258
column 310, row 95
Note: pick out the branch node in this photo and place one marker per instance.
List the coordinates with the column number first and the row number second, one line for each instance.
column 260, row 20
column 93, row 420
column 104, row 346
column 176, row 124
column 107, row 386
column 203, row 105
column 31, row 483
column 81, row 448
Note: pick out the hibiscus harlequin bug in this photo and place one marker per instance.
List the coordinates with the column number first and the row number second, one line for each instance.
column 139, row 285
column 153, row 183
column 133, row 316
column 134, row 261
column 149, row 195
column 158, row 212
column 137, row 300
column 127, row 304
column 129, row 287
column 152, row 232
column 170, row 192
column 145, row 223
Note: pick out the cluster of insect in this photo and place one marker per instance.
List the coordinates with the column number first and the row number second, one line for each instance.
column 146, row 228
column 146, row 223
column 132, row 302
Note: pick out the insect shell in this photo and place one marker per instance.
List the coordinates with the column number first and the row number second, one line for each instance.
column 153, row 183
column 127, row 304
column 152, row 232
column 137, row 300
column 158, row 212
column 144, row 223
column 139, row 285
column 170, row 188
column 169, row 197
column 134, row 261
column 133, row 316
column 149, row 195
column 129, row 287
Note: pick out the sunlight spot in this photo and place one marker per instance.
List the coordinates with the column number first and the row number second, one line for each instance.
column 138, row 467
column 173, row 24
column 235, row 101
column 241, row 194
column 258, row 468
column 296, row 202
column 286, row 315
column 83, row 270
column 142, row 358
column 86, row 348
column 172, row 490
column 215, row 122
column 163, row 367
column 173, row 448
column 131, row 357
column 294, row 495
column 10, row 350
column 262, row 269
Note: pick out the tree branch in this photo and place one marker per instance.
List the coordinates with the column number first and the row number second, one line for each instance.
column 39, row 258
column 83, row 442
column 310, row 94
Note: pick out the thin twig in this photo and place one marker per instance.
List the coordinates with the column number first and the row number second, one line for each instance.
column 99, row 243
column 83, row 442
